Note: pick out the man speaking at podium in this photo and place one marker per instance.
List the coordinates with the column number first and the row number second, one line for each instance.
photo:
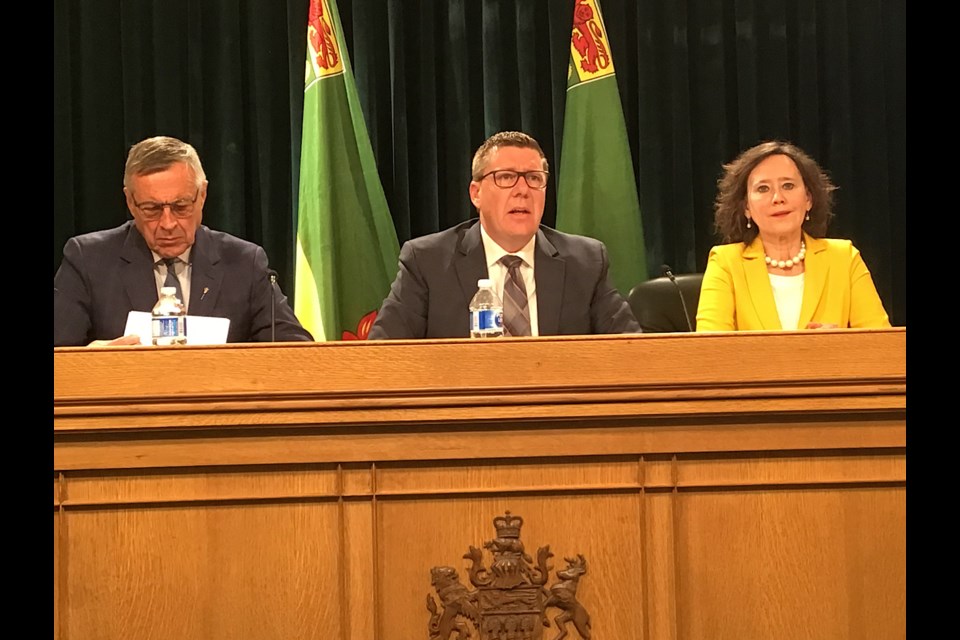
column 106, row 274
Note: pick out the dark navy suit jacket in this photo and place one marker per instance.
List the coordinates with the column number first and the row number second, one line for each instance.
column 438, row 275
column 106, row 274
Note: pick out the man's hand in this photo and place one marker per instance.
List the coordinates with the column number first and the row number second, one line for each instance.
column 127, row 340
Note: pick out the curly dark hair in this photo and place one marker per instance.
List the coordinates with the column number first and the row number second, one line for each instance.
column 730, row 204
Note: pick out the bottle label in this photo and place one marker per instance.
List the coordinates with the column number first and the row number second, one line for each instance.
column 487, row 320
column 166, row 327
column 169, row 330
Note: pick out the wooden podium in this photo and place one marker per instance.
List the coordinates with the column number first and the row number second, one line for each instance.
column 737, row 486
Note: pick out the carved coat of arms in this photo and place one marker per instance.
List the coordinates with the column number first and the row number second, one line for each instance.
column 511, row 599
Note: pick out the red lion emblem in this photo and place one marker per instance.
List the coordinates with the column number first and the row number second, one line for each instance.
column 320, row 34
column 587, row 39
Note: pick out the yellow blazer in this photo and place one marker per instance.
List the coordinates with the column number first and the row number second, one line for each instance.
column 736, row 294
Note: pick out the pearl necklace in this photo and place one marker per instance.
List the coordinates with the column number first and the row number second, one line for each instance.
column 788, row 264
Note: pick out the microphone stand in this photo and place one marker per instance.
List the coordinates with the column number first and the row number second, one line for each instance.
column 273, row 305
column 667, row 271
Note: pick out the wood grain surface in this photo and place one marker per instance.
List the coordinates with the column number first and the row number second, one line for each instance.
column 735, row 486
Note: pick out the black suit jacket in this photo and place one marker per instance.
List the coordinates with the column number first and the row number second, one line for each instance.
column 106, row 274
column 430, row 296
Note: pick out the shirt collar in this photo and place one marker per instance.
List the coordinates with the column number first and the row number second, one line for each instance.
column 494, row 251
column 184, row 257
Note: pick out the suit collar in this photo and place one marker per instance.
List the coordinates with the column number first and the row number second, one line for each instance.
column 758, row 283
column 470, row 259
column 470, row 262
column 136, row 270
column 548, row 273
column 815, row 269
column 206, row 273
column 139, row 281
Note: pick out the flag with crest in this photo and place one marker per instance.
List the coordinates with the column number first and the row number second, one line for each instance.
column 347, row 246
column 596, row 188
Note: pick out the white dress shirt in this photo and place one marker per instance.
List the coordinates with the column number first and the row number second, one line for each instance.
column 183, row 269
column 497, row 272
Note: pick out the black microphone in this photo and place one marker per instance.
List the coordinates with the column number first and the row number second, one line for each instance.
column 273, row 304
column 667, row 271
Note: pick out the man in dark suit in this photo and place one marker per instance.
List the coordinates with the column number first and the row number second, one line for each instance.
column 106, row 274
column 562, row 278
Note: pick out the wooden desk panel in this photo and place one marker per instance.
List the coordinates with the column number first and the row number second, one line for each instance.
column 720, row 486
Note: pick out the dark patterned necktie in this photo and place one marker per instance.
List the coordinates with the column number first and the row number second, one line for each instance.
column 516, row 311
column 172, row 279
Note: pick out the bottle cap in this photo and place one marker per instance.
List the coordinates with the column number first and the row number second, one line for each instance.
column 484, row 282
column 168, row 291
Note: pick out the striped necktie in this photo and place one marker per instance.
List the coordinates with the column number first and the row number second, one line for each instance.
column 516, row 311
column 172, row 279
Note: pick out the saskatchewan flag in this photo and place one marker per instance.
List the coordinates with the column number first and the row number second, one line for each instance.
column 347, row 245
column 596, row 190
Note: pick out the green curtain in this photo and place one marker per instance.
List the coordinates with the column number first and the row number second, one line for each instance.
column 700, row 80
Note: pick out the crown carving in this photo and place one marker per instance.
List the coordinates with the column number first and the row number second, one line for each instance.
column 508, row 526
column 511, row 598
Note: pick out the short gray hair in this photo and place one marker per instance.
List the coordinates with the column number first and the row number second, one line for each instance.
column 158, row 154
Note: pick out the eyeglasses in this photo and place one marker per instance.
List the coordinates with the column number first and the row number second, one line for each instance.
column 179, row 208
column 505, row 178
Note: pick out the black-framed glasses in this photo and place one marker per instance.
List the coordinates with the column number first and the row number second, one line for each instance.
column 506, row 179
column 179, row 208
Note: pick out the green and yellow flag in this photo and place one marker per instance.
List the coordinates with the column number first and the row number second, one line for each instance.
column 596, row 189
column 347, row 245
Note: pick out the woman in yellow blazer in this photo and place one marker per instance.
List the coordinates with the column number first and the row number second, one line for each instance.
column 777, row 271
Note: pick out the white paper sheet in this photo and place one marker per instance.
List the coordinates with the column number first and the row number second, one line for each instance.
column 200, row 329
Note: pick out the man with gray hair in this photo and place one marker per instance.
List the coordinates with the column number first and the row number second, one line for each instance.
column 106, row 274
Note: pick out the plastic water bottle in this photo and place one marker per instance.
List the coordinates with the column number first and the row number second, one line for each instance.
column 486, row 312
column 169, row 321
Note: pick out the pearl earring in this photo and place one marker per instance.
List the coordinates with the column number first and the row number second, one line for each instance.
column 808, row 216
column 748, row 223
